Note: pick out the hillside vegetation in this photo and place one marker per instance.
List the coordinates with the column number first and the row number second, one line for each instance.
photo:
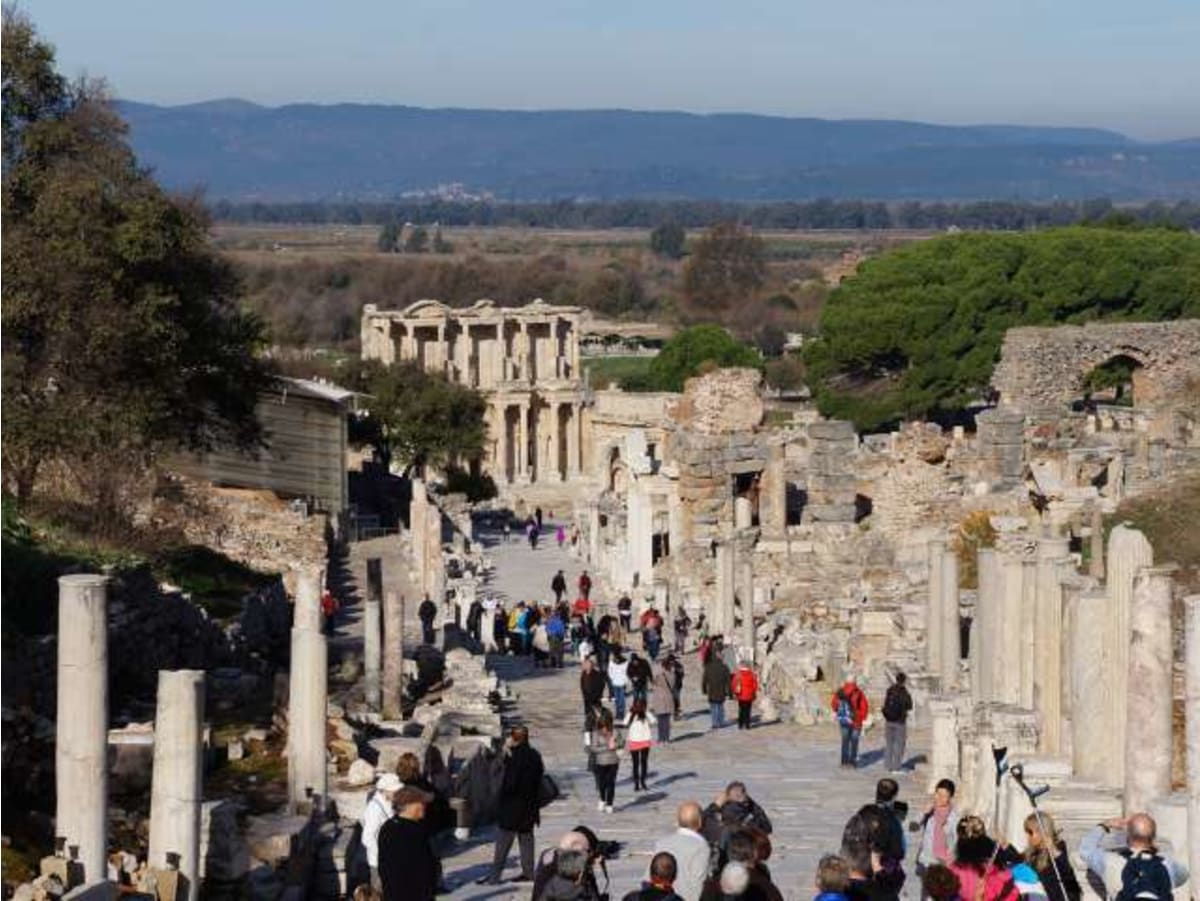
column 917, row 332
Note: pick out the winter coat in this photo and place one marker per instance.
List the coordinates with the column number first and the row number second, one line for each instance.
column 406, row 862
column 857, row 699
column 558, row 584
column 427, row 611
column 519, row 809
column 715, row 684
column 618, row 673
column 591, row 685
column 638, row 733
column 639, row 672
column 997, row 882
column 744, row 684
column 662, row 695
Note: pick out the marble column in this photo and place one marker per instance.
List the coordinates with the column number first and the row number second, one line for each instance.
column 933, row 617
column 722, row 616
column 522, row 474
column 1148, row 747
column 744, row 569
column 307, row 699
column 984, row 629
column 1052, row 560
column 1005, row 658
column 1096, row 543
column 949, row 630
column 393, row 655
column 372, row 633
column 1191, row 714
column 1128, row 551
column 177, row 781
column 417, row 520
column 435, row 562
column 574, row 429
column 306, row 605
column 743, row 513
column 1025, row 647
column 772, row 514
column 943, row 754
column 81, row 740
column 639, row 533
column 1089, row 705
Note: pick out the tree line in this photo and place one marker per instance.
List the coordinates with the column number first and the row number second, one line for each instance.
column 1007, row 215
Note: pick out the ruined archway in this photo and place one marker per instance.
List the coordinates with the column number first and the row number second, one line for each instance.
column 1115, row 381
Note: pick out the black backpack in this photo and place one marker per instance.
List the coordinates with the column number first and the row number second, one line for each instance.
column 1145, row 875
column 894, row 707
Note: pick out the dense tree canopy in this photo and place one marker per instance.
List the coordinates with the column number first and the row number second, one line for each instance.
column 917, row 332
column 419, row 418
column 122, row 330
column 690, row 352
column 727, row 264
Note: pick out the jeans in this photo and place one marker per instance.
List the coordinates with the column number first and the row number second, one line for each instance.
column 664, row 727
column 641, row 760
column 618, row 694
column 504, row 841
column 652, row 648
column 606, row 782
column 717, row 710
column 744, row 710
column 850, row 737
column 895, row 735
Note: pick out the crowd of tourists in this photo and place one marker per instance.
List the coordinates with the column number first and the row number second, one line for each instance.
column 721, row 851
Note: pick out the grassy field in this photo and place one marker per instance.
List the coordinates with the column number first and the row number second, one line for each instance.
column 611, row 372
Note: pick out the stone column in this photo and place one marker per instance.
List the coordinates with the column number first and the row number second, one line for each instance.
column 435, row 563
column 640, row 532
column 1007, row 653
column 943, row 754
column 772, row 515
column 722, row 614
column 522, row 474
column 1089, row 704
column 1191, row 716
column 744, row 569
column 393, row 655
column 177, row 782
column 743, row 513
column 985, row 626
column 1128, row 551
column 574, row 429
column 1025, row 647
column 1047, row 635
column 1096, row 544
column 933, row 617
column 949, row 630
column 81, row 740
column 1148, row 725
column 372, row 633
column 417, row 520
column 307, row 698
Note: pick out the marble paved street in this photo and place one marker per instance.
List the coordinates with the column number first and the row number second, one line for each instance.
column 790, row 770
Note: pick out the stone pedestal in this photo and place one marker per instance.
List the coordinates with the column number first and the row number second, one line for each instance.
column 1148, row 709
column 1192, row 719
column 307, row 701
column 393, row 655
column 949, row 632
column 1128, row 552
column 1089, row 706
column 177, row 790
column 81, row 741
column 943, row 755
column 934, row 603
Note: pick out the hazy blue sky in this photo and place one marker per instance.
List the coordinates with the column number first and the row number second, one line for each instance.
column 1133, row 65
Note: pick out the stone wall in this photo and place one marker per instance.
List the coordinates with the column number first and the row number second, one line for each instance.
column 1041, row 370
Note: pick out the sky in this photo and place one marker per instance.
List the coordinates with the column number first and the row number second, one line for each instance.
column 1129, row 65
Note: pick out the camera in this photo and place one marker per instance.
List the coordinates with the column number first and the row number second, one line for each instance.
column 608, row 850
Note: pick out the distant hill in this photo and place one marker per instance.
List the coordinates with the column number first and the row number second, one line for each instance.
column 238, row 150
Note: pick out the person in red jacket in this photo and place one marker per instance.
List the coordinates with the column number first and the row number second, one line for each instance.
column 849, row 705
column 585, row 586
column 743, row 685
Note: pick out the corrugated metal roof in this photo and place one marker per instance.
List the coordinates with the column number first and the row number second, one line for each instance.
column 317, row 390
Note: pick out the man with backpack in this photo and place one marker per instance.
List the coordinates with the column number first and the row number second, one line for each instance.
column 849, row 705
column 896, row 705
column 1137, row 870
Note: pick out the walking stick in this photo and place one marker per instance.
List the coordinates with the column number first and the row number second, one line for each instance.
column 1018, row 773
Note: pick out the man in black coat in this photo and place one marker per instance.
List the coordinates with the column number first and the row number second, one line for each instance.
column 716, row 687
column 427, row 612
column 559, row 586
column 407, row 866
column 520, row 810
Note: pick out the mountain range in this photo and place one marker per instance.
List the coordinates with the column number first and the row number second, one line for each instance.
column 237, row 150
